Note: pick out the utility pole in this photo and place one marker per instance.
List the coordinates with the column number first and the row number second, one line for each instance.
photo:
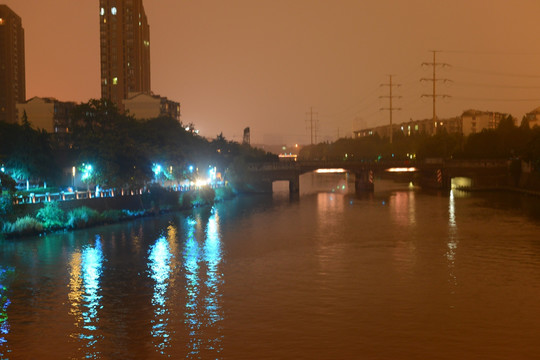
column 434, row 64
column 390, row 108
column 312, row 124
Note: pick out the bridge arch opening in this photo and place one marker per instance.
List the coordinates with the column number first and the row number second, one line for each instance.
column 279, row 186
column 460, row 183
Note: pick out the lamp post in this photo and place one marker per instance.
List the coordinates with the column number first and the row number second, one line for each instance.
column 73, row 177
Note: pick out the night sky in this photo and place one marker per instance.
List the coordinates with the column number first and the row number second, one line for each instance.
column 264, row 63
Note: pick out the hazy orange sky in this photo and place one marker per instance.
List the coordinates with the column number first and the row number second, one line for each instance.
column 264, row 63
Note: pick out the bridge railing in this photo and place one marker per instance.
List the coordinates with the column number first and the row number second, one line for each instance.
column 477, row 163
column 89, row 194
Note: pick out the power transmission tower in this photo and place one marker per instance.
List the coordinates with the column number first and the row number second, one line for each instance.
column 434, row 64
column 312, row 124
column 390, row 97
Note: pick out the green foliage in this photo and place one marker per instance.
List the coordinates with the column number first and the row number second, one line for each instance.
column 223, row 193
column 206, row 195
column 197, row 198
column 28, row 152
column 185, row 199
column 507, row 141
column 113, row 215
column 23, row 226
column 82, row 217
column 7, row 183
column 52, row 216
column 6, row 207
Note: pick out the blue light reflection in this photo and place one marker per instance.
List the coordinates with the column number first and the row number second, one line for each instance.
column 160, row 270
column 203, row 281
column 212, row 257
column 4, row 304
column 191, row 266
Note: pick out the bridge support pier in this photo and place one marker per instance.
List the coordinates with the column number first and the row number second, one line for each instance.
column 363, row 181
column 294, row 185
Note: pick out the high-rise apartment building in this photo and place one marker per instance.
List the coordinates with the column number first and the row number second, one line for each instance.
column 125, row 49
column 12, row 71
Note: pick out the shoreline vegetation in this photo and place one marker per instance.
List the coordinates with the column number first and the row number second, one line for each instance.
column 52, row 217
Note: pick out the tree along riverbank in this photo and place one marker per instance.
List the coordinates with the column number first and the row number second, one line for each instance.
column 37, row 219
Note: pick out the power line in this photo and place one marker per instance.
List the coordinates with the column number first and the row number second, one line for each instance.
column 495, row 73
column 460, row 83
column 390, row 98
column 520, row 53
column 312, row 124
column 434, row 64
column 491, row 99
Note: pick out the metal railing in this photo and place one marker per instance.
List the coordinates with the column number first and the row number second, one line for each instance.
column 102, row 193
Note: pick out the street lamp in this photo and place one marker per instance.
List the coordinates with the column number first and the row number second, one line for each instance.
column 73, row 177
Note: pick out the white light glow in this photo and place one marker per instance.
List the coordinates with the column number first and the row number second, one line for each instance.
column 201, row 182
column 402, row 169
column 330, row 171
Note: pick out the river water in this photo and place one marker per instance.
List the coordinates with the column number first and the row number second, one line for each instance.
column 399, row 274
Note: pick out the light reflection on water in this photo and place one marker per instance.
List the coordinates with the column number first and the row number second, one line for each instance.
column 191, row 266
column 214, row 278
column 159, row 263
column 397, row 275
column 203, row 312
column 4, row 304
column 452, row 240
column 85, row 296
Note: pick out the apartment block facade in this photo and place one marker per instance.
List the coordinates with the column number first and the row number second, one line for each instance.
column 148, row 106
column 124, row 49
column 12, row 64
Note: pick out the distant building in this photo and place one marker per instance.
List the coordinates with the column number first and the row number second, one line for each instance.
column 247, row 136
column 533, row 117
column 48, row 114
column 474, row 121
column 148, row 106
column 125, row 49
column 412, row 127
column 12, row 68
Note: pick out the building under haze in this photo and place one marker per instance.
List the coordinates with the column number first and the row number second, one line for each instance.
column 49, row 114
column 12, row 71
column 470, row 122
column 125, row 49
column 533, row 117
column 148, row 106
column 474, row 121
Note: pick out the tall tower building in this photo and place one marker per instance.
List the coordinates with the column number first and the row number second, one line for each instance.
column 12, row 72
column 125, row 49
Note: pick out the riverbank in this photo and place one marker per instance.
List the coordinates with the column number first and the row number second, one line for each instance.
column 38, row 219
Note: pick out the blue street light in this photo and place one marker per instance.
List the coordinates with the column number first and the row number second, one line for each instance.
column 86, row 172
column 156, row 168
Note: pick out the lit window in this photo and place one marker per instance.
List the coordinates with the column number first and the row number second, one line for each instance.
column 113, row 10
column 140, row 23
column 102, row 11
column 115, row 81
column 1, row 21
